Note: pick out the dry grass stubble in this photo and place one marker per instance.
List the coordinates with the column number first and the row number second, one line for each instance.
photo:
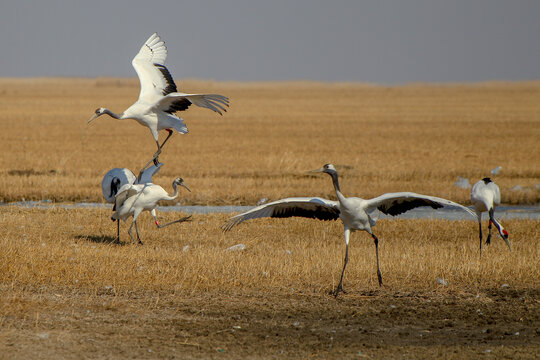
column 74, row 249
column 69, row 291
column 416, row 138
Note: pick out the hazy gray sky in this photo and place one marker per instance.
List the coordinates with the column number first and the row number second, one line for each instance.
column 383, row 41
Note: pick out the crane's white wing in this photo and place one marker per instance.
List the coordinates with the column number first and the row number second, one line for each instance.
column 496, row 193
column 308, row 207
column 110, row 188
column 125, row 192
column 179, row 101
column 476, row 190
column 146, row 176
column 155, row 79
column 398, row 203
column 484, row 194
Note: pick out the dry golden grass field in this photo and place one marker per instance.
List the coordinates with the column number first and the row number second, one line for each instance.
column 416, row 138
column 68, row 290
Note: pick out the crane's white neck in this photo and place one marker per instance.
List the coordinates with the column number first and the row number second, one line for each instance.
column 498, row 225
column 114, row 115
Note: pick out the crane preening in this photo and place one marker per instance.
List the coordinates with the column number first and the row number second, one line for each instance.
column 354, row 212
column 485, row 196
column 131, row 200
column 159, row 98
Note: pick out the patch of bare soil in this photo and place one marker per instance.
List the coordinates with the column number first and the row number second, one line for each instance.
column 45, row 323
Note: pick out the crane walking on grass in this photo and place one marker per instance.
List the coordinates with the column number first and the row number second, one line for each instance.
column 159, row 98
column 485, row 196
column 131, row 200
column 355, row 213
column 115, row 178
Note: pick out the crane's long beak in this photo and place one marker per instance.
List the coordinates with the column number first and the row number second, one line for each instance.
column 316, row 171
column 92, row 118
column 184, row 185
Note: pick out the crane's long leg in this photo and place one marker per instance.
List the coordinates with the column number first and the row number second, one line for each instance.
column 488, row 240
column 117, row 230
column 137, row 231
column 158, row 152
column 187, row 218
column 480, row 232
column 129, row 231
column 479, row 217
column 167, row 138
column 379, row 276
column 160, row 147
column 340, row 286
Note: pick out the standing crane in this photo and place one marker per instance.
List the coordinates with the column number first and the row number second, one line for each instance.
column 485, row 196
column 159, row 98
column 131, row 200
column 354, row 212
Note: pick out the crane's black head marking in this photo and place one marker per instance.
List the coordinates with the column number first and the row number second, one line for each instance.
column 115, row 183
column 486, row 180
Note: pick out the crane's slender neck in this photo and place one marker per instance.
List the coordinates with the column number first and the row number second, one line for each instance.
column 335, row 181
column 114, row 115
column 498, row 225
column 175, row 193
